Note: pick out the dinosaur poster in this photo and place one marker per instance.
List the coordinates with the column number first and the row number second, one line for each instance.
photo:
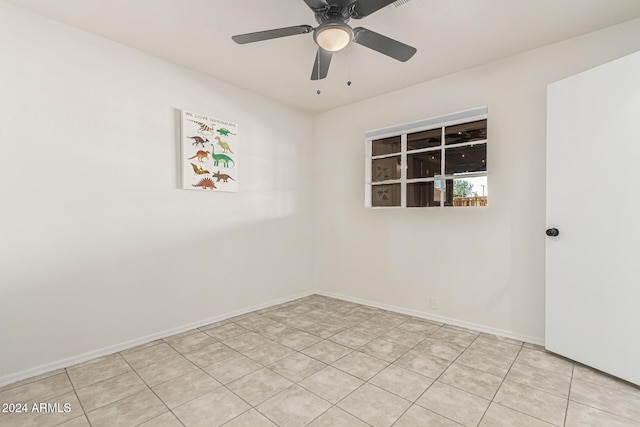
column 209, row 153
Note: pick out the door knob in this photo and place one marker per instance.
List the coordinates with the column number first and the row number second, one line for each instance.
column 551, row 232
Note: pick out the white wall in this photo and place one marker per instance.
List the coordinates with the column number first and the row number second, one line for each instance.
column 97, row 244
column 485, row 264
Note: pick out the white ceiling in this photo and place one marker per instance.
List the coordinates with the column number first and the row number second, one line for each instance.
column 450, row 35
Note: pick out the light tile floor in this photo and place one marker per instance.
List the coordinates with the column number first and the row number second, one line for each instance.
column 319, row 361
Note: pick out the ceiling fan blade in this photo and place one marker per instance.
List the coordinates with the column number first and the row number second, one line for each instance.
column 367, row 7
column 321, row 65
column 383, row 44
column 272, row 34
column 342, row 3
column 316, row 4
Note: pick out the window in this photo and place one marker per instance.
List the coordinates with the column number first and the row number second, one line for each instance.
column 431, row 163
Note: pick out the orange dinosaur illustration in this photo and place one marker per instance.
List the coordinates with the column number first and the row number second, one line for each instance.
column 198, row 170
column 201, row 155
column 205, row 184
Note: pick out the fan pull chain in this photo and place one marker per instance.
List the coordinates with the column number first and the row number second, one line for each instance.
column 349, row 65
column 318, row 91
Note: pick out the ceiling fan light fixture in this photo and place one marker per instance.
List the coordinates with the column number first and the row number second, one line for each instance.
column 333, row 37
column 333, row 33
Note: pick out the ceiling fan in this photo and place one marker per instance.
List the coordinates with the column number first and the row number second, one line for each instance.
column 333, row 33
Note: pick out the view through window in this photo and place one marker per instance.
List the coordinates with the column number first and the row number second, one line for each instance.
column 432, row 163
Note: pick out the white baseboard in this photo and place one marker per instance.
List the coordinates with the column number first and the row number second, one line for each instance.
column 434, row 317
column 65, row 363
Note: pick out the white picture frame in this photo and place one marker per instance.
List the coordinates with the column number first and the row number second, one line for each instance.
column 208, row 153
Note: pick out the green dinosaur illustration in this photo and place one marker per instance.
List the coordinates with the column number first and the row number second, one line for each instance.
column 224, row 132
column 217, row 157
column 224, row 145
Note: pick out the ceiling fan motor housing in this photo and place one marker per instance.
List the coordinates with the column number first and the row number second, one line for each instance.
column 334, row 13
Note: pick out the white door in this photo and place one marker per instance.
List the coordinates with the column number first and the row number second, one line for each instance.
column 593, row 200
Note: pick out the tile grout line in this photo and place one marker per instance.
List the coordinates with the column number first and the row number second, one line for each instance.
column 199, row 368
column 566, row 409
column 73, row 387
column 49, row 397
column 547, row 371
column 293, row 383
column 412, row 403
column 526, row 385
column 624, row 417
column 206, row 373
column 500, row 386
column 635, row 395
column 31, row 380
column 150, row 389
column 255, row 408
column 442, row 373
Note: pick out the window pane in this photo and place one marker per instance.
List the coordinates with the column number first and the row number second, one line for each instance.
column 384, row 169
column 423, row 165
column 420, row 194
column 466, row 132
column 467, row 191
column 472, row 158
column 385, row 195
column 426, row 139
column 381, row 147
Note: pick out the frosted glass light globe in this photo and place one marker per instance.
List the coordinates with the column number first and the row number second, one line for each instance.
column 333, row 38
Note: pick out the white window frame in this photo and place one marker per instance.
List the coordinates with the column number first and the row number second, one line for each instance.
column 461, row 117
